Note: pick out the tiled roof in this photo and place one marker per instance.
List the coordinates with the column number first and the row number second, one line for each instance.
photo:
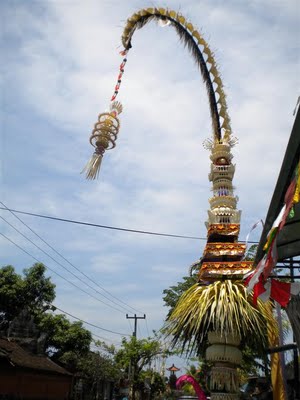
column 21, row 358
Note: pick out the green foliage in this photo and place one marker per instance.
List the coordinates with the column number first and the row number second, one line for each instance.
column 139, row 352
column 33, row 292
column 39, row 291
column 67, row 343
column 98, row 366
column 134, row 356
column 66, row 340
column 172, row 295
column 155, row 381
column 11, row 294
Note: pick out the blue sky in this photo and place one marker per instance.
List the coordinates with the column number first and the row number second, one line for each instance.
column 61, row 60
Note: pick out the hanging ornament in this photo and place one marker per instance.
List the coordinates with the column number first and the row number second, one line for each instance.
column 103, row 138
column 106, row 129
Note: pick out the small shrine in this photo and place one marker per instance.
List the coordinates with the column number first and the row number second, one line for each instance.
column 173, row 369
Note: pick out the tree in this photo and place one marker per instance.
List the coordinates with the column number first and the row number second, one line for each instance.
column 66, row 341
column 39, row 291
column 33, row 292
column 174, row 292
column 134, row 356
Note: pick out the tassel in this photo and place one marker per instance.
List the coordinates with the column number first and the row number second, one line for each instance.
column 103, row 138
column 92, row 167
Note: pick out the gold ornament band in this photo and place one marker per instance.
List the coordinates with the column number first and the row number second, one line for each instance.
column 103, row 138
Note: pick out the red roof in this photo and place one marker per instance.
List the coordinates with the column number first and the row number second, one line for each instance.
column 19, row 357
column 173, row 368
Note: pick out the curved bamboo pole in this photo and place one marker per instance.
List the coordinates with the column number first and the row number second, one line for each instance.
column 106, row 128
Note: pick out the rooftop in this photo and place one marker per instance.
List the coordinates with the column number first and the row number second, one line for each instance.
column 18, row 357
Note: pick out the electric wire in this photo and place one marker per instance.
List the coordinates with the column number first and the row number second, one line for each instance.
column 89, row 323
column 72, row 265
column 129, row 323
column 139, row 330
column 50, row 269
column 112, row 227
column 105, row 340
column 72, row 273
column 147, row 328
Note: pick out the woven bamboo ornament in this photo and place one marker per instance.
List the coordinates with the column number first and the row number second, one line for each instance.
column 103, row 138
column 107, row 127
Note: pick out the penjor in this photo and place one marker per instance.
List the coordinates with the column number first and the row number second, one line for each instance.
column 216, row 316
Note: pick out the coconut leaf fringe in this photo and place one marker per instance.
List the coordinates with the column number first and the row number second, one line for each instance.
column 223, row 306
column 92, row 167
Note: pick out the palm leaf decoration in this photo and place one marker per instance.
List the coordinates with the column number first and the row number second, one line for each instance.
column 222, row 306
column 201, row 53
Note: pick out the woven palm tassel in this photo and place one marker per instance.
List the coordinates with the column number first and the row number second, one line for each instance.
column 92, row 167
column 103, row 138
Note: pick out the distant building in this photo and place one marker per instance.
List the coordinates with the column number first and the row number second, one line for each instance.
column 25, row 372
column 24, row 375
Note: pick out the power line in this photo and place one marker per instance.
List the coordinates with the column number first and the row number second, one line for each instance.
column 48, row 255
column 72, row 265
column 89, row 323
column 147, row 328
column 110, row 227
column 105, row 339
column 50, row 269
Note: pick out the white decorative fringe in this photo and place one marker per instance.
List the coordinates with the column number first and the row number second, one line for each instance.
column 224, row 353
column 224, row 396
column 223, row 378
column 92, row 167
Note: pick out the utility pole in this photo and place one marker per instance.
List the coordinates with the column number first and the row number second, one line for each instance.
column 132, row 366
column 135, row 322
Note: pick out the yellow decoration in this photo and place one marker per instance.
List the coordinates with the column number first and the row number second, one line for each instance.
column 197, row 36
column 181, row 19
column 296, row 197
column 162, row 11
column 222, row 112
column 225, row 124
column 210, row 60
column 213, row 69
column 224, row 306
column 202, row 42
column 103, row 138
column 217, row 80
column 221, row 99
column 220, row 91
column 276, row 373
column 207, row 51
column 143, row 12
column 134, row 18
column 130, row 24
column 189, row 26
